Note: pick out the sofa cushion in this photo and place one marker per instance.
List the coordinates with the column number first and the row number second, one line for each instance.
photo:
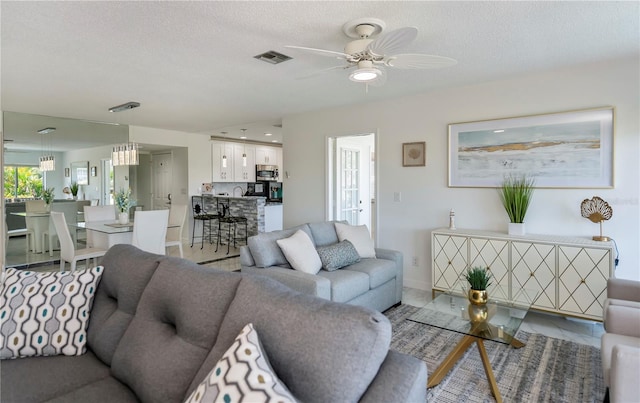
column 324, row 233
column 315, row 346
column 242, row 374
column 300, row 252
column 359, row 236
column 46, row 313
column 107, row 390
column 379, row 270
column 346, row 284
column 127, row 272
column 173, row 330
column 265, row 250
column 39, row 379
column 338, row 255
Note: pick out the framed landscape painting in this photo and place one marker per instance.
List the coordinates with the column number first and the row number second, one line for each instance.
column 559, row 150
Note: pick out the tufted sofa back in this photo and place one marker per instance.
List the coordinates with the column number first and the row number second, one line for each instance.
column 128, row 271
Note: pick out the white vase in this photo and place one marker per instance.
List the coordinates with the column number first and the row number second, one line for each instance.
column 516, row 228
column 123, row 218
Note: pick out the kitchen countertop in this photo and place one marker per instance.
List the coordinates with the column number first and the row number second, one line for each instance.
column 236, row 197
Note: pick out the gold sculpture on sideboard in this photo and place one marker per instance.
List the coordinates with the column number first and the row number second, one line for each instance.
column 596, row 210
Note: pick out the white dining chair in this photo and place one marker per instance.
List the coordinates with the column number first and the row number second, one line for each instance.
column 177, row 216
column 97, row 213
column 67, row 252
column 70, row 211
column 150, row 230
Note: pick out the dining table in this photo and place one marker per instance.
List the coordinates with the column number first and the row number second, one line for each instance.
column 40, row 223
column 105, row 234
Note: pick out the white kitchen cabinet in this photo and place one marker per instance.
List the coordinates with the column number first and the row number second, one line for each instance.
column 569, row 275
column 266, row 155
column 244, row 172
column 272, row 217
column 222, row 173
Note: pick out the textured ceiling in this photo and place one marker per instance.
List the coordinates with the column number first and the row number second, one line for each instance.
column 191, row 65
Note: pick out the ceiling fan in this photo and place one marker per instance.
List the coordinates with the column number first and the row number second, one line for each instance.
column 370, row 54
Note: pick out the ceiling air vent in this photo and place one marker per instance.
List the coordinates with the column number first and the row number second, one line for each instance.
column 272, row 57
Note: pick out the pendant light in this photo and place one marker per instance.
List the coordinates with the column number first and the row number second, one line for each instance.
column 244, row 149
column 126, row 153
column 224, row 149
column 47, row 160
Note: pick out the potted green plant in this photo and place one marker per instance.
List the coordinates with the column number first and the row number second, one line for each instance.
column 479, row 279
column 124, row 203
column 516, row 193
column 74, row 190
column 47, row 196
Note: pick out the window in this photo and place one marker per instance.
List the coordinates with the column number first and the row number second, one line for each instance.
column 21, row 182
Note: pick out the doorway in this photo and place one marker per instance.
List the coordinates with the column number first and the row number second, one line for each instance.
column 351, row 192
column 162, row 181
column 107, row 187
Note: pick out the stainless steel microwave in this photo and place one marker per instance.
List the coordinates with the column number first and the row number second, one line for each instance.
column 267, row 172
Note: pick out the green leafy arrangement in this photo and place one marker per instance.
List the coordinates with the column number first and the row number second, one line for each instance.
column 478, row 277
column 47, row 195
column 123, row 200
column 515, row 194
column 74, row 188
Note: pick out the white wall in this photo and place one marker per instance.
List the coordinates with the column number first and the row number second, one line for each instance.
column 94, row 156
column 426, row 199
column 198, row 153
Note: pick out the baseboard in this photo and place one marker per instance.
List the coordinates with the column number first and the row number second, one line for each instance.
column 418, row 284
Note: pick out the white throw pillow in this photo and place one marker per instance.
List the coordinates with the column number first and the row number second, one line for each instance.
column 300, row 252
column 243, row 374
column 359, row 236
column 46, row 313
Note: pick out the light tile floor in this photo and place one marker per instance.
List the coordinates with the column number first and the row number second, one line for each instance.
column 550, row 325
column 581, row 331
column 16, row 256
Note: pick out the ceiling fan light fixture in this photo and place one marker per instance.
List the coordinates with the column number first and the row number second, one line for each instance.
column 365, row 75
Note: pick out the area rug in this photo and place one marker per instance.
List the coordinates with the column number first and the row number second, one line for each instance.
column 545, row 370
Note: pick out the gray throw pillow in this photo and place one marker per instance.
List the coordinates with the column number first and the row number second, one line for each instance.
column 338, row 255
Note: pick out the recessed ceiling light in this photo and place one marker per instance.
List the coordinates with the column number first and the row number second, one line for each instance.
column 243, row 137
column 499, row 131
column 274, row 141
column 268, row 134
column 47, row 130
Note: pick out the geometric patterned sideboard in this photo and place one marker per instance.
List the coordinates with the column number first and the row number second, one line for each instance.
column 568, row 274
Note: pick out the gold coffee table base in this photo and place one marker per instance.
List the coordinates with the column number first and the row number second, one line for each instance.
column 454, row 356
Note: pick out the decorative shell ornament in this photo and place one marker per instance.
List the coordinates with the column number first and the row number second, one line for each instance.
column 596, row 210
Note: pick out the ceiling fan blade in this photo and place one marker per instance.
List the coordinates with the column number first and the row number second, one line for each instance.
column 320, row 52
column 319, row 72
column 394, row 40
column 419, row 61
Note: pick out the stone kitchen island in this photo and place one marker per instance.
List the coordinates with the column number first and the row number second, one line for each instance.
column 250, row 207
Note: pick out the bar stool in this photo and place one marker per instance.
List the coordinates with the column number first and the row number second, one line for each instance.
column 200, row 214
column 225, row 218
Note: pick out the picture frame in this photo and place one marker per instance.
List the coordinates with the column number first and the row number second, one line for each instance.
column 67, row 172
column 80, row 172
column 559, row 150
column 414, row 154
column 94, row 171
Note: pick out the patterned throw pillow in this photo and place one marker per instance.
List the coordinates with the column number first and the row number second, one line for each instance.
column 45, row 313
column 243, row 374
column 338, row 255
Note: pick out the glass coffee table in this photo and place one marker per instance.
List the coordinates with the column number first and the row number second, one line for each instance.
column 496, row 321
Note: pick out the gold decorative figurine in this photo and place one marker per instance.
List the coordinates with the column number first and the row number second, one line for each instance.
column 596, row 210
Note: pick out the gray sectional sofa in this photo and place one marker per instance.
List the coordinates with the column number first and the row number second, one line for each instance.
column 374, row 283
column 159, row 325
